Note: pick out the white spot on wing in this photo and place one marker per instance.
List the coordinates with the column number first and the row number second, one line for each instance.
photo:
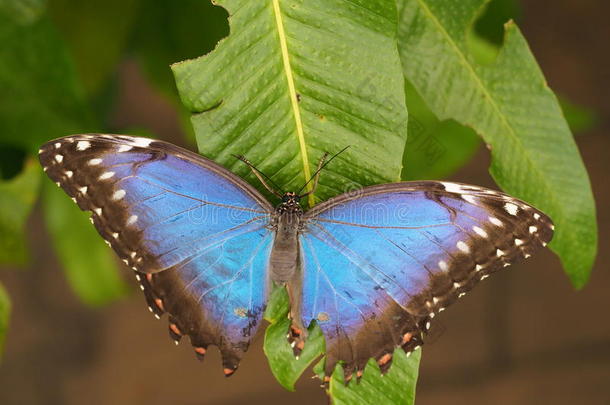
column 118, row 194
column 511, row 208
column 95, row 161
column 59, row 158
column 83, row 190
column 480, row 231
column 463, row 247
column 57, row 145
column 69, row 173
column 518, row 242
column 533, row 229
column 115, row 235
column 452, row 187
column 83, row 145
column 106, row 175
column 495, row 221
column 478, row 267
column 536, row 216
column 132, row 219
column 140, row 142
column 443, row 265
column 500, row 253
column 470, row 198
column 98, row 211
column 125, row 148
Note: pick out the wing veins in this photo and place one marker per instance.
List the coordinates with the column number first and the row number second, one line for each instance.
column 353, row 256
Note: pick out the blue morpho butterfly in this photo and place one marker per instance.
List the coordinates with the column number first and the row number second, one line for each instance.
column 371, row 268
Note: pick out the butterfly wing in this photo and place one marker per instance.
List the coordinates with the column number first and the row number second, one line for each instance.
column 196, row 235
column 378, row 265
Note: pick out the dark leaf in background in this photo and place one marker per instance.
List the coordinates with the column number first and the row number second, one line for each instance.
column 509, row 105
column 172, row 31
column 5, row 313
column 97, row 34
column 23, row 12
column 17, row 196
column 89, row 265
column 41, row 98
column 435, row 148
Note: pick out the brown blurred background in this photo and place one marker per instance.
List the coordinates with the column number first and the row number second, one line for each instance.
column 522, row 337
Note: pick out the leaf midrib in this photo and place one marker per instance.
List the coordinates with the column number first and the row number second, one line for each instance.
column 293, row 97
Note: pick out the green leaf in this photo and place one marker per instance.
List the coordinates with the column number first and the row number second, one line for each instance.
column 293, row 80
column 23, row 11
column 396, row 387
column 435, row 148
column 41, row 98
column 89, row 264
column 97, row 34
column 284, row 366
column 16, row 199
column 5, row 312
column 296, row 79
column 509, row 104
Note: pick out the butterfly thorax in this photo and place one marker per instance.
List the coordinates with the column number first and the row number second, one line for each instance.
column 286, row 224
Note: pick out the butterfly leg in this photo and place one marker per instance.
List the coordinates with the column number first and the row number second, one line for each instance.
column 297, row 333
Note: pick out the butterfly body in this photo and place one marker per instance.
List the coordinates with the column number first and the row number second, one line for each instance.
column 287, row 223
column 371, row 268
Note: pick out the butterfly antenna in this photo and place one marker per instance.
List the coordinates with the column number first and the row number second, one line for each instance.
column 262, row 177
column 322, row 166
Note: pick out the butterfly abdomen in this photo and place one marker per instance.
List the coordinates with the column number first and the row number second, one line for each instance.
column 284, row 255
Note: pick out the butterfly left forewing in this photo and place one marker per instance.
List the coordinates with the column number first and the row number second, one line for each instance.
column 194, row 233
column 379, row 265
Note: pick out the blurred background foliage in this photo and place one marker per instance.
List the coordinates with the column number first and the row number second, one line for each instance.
column 59, row 64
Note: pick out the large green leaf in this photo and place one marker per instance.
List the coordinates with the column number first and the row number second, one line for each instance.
column 509, row 104
column 293, row 80
column 5, row 312
column 296, row 79
column 89, row 264
column 17, row 196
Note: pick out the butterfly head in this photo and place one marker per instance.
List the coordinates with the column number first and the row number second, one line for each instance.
column 290, row 203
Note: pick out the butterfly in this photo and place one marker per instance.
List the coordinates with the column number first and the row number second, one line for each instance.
column 372, row 268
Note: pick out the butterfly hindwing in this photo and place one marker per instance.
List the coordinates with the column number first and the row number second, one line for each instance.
column 378, row 265
column 196, row 235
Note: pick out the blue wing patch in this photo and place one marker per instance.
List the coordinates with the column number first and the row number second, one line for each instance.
column 378, row 266
column 196, row 235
